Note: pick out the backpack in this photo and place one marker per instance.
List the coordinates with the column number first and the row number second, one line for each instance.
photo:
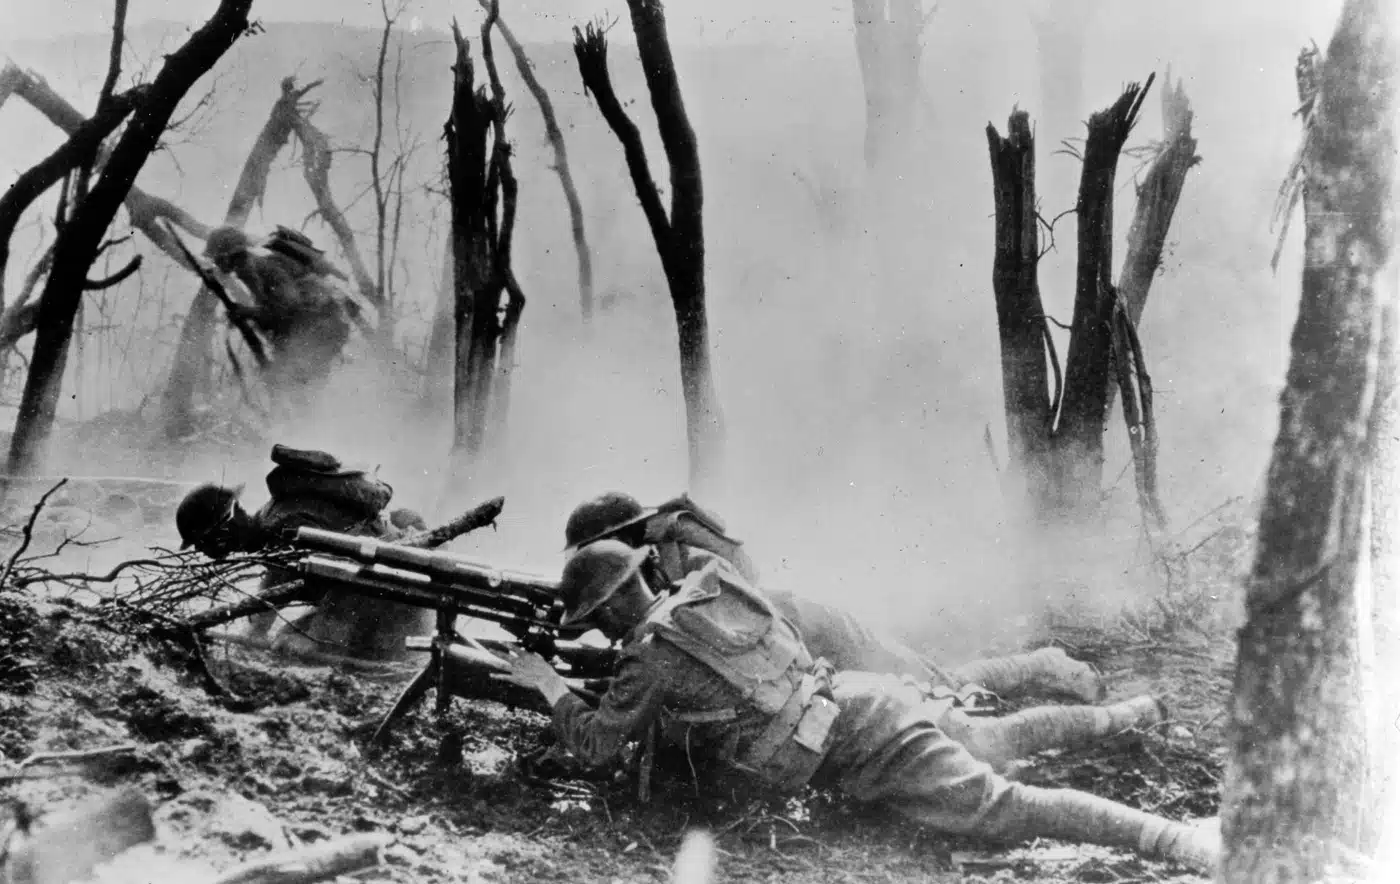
column 718, row 620
column 307, row 474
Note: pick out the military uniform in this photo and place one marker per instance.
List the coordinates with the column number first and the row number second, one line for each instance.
column 717, row 664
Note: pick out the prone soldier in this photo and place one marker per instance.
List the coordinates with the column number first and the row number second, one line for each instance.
column 310, row 489
column 683, row 537
column 718, row 662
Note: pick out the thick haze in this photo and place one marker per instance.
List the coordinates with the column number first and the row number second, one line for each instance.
column 854, row 336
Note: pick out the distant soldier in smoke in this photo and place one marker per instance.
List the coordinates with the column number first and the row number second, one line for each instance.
column 305, row 317
column 310, row 489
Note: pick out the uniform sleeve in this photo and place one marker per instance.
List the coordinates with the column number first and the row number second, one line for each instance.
column 633, row 701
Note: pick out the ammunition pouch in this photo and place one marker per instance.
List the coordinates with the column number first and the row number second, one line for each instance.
column 788, row 751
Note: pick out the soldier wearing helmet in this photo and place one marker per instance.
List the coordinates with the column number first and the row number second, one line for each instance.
column 681, row 537
column 309, row 489
column 716, row 660
column 304, row 316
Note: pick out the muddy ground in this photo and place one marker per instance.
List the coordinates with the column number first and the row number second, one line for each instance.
column 289, row 762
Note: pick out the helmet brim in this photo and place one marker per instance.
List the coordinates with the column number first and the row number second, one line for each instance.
column 603, row 535
column 634, row 563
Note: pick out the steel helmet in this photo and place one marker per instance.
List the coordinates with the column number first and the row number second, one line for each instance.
column 594, row 574
column 204, row 509
column 602, row 516
column 224, row 243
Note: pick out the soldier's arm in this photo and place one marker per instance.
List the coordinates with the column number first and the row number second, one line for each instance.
column 633, row 701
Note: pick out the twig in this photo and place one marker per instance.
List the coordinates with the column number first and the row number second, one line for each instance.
column 28, row 532
column 477, row 517
column 77, row 755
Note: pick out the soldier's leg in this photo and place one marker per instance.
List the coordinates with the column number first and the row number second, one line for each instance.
column 1002, row 740
column 1046, row 669
column 889, row 750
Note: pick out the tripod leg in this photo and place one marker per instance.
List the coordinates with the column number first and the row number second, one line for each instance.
column 408, row 698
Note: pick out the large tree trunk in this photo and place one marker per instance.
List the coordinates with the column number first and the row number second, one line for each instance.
column 1021, row 324
column 78, row 244
column 190, row 372
column 889, row 47
column 1295, row 786
column 679, row 238
column 482, row 183
column 1083, row 411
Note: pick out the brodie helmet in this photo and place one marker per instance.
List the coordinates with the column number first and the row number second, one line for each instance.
column 601, row 517
column 594, row 574
column 224, row 243
column 203, row 510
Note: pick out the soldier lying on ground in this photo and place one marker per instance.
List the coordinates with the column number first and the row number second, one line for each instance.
column 305, row 317
column 679, row 541
column 311, row 489
column 683, row 536
column 717, row 660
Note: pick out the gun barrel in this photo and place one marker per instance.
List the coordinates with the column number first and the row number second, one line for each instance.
column 439, row 566
column 418, row 589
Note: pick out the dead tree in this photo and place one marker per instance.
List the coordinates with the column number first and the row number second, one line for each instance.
column 555, row 136
column 483, row 196
column 890, row 48
column 679, row 237
column 1294, row 798
column 81, row 238
column 1055, row 437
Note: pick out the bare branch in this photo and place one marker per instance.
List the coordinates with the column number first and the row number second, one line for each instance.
column 97, row 285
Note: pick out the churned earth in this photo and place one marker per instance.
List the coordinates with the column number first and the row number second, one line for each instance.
column 287, row 761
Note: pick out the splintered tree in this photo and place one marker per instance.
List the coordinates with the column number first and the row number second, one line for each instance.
column 1295, row 793
column 555, row 136
column 890, row 48
column 1055, row 436
column 483, row 193
column 80, row 239
column 679, row 236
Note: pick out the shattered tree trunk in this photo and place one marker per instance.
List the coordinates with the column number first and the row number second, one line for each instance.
column 679, row 238
column 481, row 183
column 78, row 244
column 190, row 372
column 889, row 47
column 1028, row 403
column 555, row 136
column 1055, row 438
column 1295, row 785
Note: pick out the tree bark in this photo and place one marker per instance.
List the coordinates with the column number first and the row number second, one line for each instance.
column 680, row 238
column 555, row 136
column 1295, row 785
column 80, row 148
column 78, row 245
column 1021, row 324
column 190, row 371
column 1081, row 416
column 481, row 183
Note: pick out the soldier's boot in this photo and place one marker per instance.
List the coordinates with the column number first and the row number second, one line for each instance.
column 1071, row 815
column 1000, row 741
column 1043, row 670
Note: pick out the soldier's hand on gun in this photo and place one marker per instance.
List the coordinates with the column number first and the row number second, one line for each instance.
column 530, row 670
